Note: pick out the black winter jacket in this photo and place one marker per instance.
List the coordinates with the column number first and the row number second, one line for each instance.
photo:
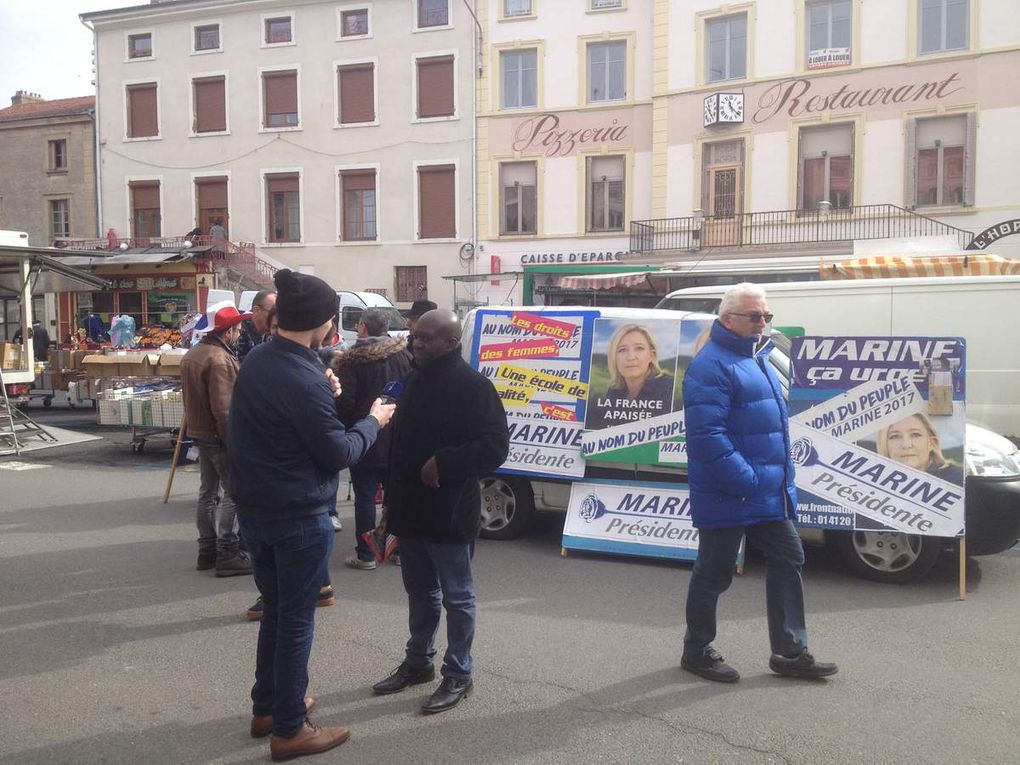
column 363, row 371
column 285, row 442
column 451, row 411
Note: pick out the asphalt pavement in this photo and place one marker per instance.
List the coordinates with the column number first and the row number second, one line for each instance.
column 113, row 649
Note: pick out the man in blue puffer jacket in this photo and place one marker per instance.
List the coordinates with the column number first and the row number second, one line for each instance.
column 741, row 483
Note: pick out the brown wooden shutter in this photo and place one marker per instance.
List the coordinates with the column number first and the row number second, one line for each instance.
column 281, row 93
column 970, row 160
column 359, row 180
column 437, row 217
column 142, row 110
column 357, row 93
column 435, row 86
column 212, row 193
column 145, row 196
column 409, row 282
column 910, row 170
column 210, row 105
column 280, row 183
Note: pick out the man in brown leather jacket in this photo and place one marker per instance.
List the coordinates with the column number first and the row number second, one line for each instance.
column 208, row 373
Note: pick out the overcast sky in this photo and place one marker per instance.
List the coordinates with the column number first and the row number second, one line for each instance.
column 46, row 50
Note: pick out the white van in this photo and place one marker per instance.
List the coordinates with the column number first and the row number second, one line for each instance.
column 980, row 309
column 992, row 463
column 352, row 305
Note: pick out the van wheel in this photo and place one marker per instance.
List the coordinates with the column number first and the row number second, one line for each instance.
column 891, row 557
column 507, row 503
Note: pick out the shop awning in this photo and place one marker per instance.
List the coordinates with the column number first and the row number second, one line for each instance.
column 622, row 281
column 886, row 266
column 49, row 274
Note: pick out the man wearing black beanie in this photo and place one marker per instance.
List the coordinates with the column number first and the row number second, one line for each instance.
column 286, row 447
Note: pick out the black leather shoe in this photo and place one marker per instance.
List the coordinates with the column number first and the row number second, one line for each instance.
column 403, row 677
column 710, row 666
column 447, row 695
column 801, row 665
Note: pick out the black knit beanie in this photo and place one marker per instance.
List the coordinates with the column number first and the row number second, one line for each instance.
column 303, row 301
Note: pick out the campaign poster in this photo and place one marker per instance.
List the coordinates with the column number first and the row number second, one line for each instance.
column 877, row 433
column 644, row 519
column 633, row 411
column 539, row 364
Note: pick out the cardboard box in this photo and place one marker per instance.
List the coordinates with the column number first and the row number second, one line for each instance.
column 170, row 364
column 11, row 356
column 121, row 365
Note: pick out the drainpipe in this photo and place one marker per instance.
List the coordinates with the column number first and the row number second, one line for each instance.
column 476, row 55
column 94, row 114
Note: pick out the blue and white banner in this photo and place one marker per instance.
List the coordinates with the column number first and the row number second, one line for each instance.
column 877, row 427
column 645, row 519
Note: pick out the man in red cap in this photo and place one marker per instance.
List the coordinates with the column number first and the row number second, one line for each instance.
column 208, row 373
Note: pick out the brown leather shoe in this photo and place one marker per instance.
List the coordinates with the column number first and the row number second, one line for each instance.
column 310, row 739
column 262, row 725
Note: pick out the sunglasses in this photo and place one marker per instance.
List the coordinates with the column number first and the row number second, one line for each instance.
column 755, row 316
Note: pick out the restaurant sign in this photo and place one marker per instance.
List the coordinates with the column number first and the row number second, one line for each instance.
column 799, row 97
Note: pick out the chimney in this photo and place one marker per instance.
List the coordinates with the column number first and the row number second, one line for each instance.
column 24, row 97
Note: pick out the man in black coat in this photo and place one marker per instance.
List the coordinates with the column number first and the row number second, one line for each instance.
column 449, row 430
column 374, row 360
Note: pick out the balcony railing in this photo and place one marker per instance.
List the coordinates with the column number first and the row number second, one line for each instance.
column 782, row 227
column 241, row 257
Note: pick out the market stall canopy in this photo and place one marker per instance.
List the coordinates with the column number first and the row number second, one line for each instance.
column 49, row 271
column 883, row 267
column 624, row 281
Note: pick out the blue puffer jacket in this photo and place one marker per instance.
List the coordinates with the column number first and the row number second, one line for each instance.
column 738, row 444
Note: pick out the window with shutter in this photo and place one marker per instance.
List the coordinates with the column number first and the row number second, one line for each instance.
column 357, row 188
column 356, row 86
column 283, row 200
column 519, row 203
column 207, row 37
column 607, row 71
column 520, row 78
column 829, row 33
column 412, row 283
column 944, row 25
column 280, row 99
column 60, row 218
column 145, row 212
column 58, row 155
column 210, row 104
column 726, row 48
column 435, row 87
column 140, row 45
column 354, row 23
column 211, row 195
column 606, row 184
column 826, row 161
column 941, row 149
column 142, row 117
column 433, row 13
column 437, row 218
column 278, row 30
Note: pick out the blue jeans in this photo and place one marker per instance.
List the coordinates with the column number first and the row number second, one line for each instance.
column 364, row 481
column 216, row 514
column 784, row 591
column 438, row 576
column 290, row 561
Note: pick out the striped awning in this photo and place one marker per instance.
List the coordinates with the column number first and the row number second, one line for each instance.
column 603, row 281
column 886, row 266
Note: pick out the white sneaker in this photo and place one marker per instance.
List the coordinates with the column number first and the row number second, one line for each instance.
column 335, row 520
